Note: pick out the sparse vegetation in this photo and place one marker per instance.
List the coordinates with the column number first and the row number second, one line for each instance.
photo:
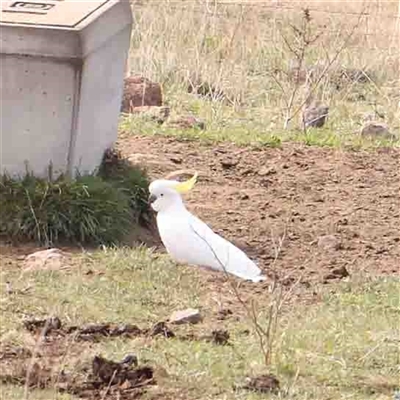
column 98, row 209
column 257, row 65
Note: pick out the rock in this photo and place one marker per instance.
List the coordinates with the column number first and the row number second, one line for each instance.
column 154, row 113
column 315, row 116
column 377, row 130
column 188, row 316
column 130, row 359
column 264, row 383
column 265, row 171
column 329, row 242
column 229, row 162
column 51, row 259
column 140, row 91
column 187, row 122
column 176, row 159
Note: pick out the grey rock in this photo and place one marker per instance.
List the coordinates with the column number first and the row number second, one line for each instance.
column 377, row 130
column 315, row 116
column 188, row 316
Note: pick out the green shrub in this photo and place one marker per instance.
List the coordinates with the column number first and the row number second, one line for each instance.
column 100, row 208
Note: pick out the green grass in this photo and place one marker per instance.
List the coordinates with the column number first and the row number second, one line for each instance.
column 345, row 346
column 253, row 126
column 100, row 208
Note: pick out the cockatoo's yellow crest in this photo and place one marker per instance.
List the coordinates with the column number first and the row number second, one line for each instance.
column 186, row 186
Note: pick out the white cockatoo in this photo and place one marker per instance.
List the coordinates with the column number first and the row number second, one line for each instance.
column 189, row 240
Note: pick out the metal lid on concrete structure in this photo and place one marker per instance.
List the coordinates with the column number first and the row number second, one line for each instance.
column 56, row 13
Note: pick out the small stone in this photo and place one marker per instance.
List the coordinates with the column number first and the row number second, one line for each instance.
column 315, row 116
column 329, row 242
column 229, row 162
column 176, row 160
column 51, row 259
column 265, row 171
column 376, row 130
column 130, row 359
column 188, row 316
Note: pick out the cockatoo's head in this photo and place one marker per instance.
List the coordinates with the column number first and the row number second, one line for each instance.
column 166, row 193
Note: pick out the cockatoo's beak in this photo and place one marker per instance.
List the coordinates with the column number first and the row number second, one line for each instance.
column 152, row 199
column 184, row 187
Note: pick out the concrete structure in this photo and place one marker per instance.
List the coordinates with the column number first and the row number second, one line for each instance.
column 62, row 65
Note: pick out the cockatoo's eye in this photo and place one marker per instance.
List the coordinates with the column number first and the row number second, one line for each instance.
column 161, row 194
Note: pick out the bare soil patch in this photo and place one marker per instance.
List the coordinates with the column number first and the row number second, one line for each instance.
column 337, row 210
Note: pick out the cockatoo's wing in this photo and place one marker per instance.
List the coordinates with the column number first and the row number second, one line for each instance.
column 190, row 240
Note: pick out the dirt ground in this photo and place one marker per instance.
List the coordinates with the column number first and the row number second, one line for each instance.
column 314, row 212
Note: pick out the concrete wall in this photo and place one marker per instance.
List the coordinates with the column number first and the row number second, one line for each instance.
column 36, row 108
column 100, row 102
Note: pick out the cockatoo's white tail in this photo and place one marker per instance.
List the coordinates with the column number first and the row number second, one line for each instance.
column 189, row 240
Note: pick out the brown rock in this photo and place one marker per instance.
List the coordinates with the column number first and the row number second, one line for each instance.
column 315, row 116
column 188, row 316
column 139, row 92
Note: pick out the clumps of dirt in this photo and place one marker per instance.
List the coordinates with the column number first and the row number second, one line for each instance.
column 161, row 328
column 266, row 383
column 21, row 372
column 52, row 329
column 10, row 352
column 113, row 380
column 224, row 314
column 219, row 337
column 106, row 379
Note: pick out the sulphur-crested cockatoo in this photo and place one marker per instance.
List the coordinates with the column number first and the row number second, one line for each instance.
column 189, row 240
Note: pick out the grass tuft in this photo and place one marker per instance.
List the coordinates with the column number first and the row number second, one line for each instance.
column 94, row 209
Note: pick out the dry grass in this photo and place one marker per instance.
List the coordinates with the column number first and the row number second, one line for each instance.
column 246, row 51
